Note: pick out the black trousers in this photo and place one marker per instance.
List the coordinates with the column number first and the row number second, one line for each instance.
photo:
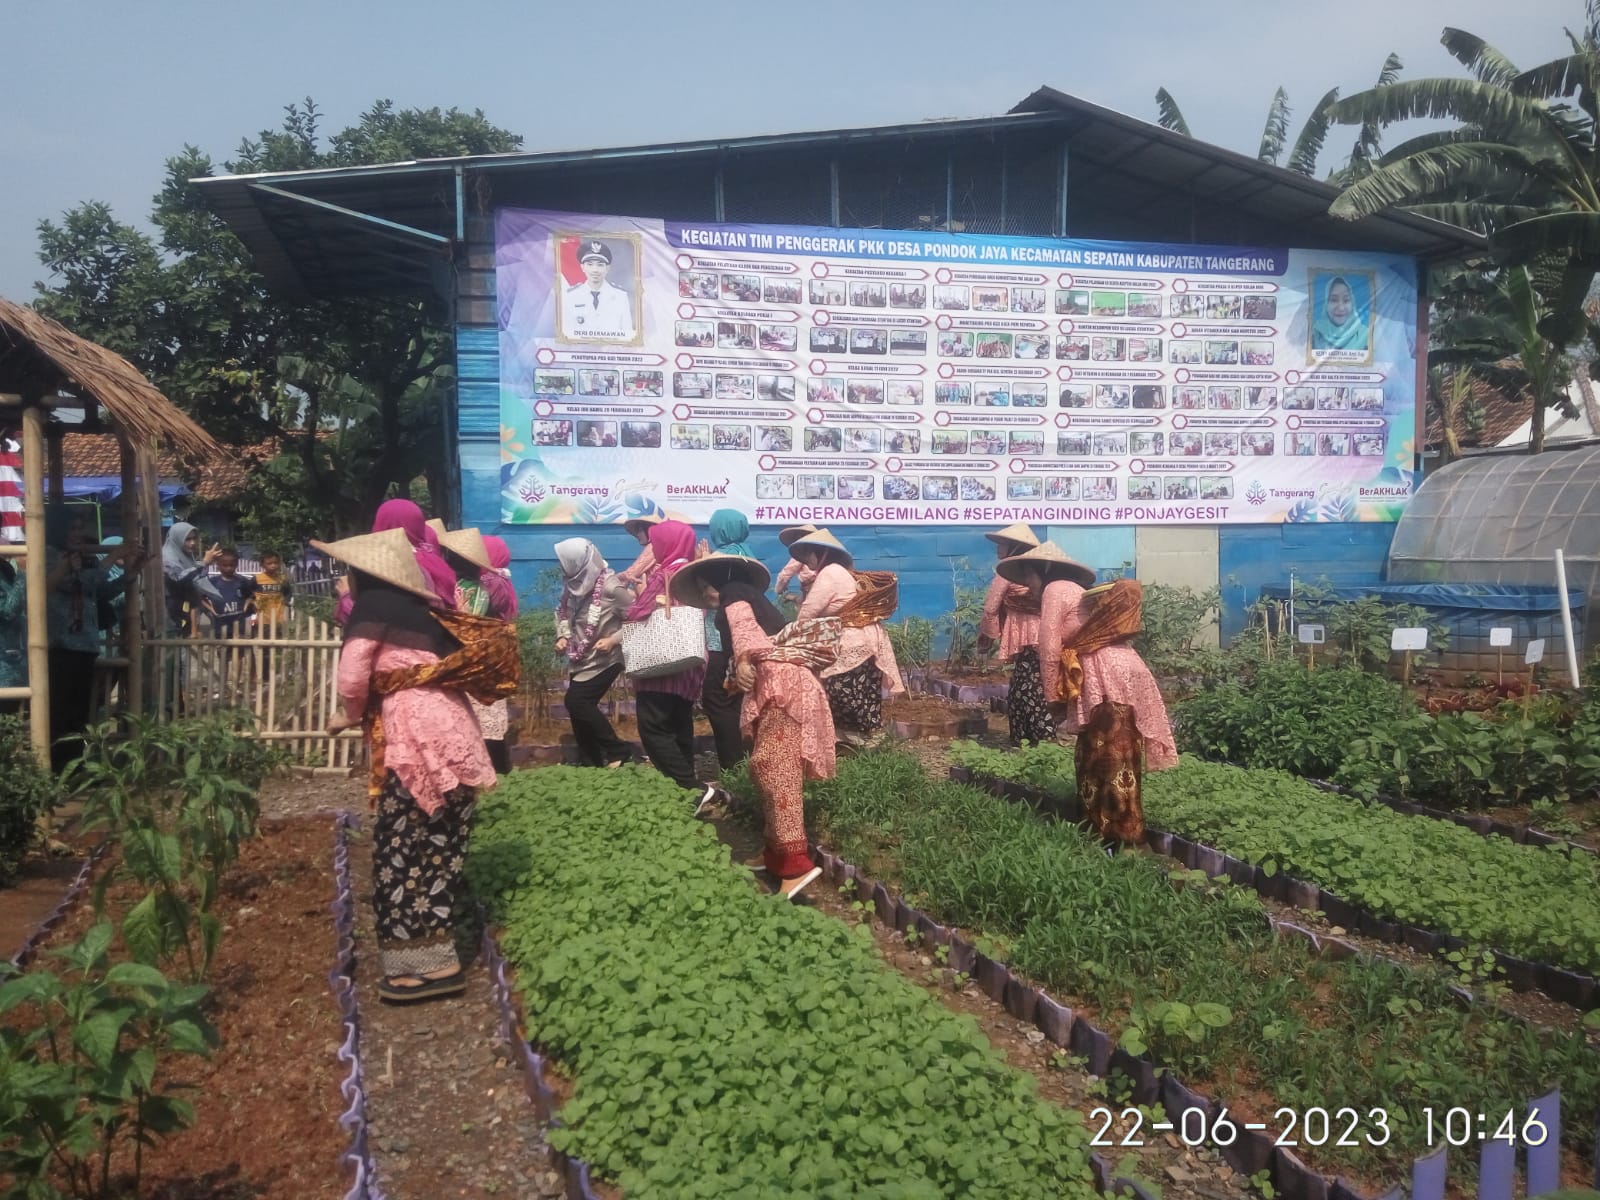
column 598, row 743
column 71, row 695
column 666, row 727
column 722, row 710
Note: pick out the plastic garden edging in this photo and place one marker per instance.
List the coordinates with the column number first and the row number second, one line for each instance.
column 1479, row 823
column 341, row 981
column 69, row 899
column 1250, row 1153
column 1570, row 987
column 574, row 1171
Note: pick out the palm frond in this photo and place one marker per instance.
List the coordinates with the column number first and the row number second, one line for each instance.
column 1369, row 143
column 1390, row 72
column 1475, row 214
column 1171, row 116
column 1463, row 100
column 1560, row 77
column 1435, row 137
column 1575, row 233
column 1473, row 168
column 1308, row 146
column 1479, row 57
column 1276, row 131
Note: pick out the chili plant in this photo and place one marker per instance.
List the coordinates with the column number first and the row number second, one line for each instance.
column 78, row 1079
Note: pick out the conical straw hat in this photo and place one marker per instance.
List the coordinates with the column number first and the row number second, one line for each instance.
column 686, row 583
column 1049, row 558
column 790, row 535
column 1021, row 534
column 468, row 543
column 823, row 540
column 637, row 525
column 437, row 526
column 387, row 556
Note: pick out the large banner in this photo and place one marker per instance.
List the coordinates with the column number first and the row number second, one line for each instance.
column 872, row 377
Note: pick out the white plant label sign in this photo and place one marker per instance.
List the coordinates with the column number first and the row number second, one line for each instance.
column 1500, row 636
column 1535, row 652
column 1409, row 639
column 1313, row 635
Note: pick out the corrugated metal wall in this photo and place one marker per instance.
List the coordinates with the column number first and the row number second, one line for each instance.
column 984, row 187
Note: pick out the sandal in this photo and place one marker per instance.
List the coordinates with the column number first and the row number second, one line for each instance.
column 421, row 987
column 792, row 887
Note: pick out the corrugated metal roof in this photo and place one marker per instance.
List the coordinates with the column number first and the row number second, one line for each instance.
column 1125, row 176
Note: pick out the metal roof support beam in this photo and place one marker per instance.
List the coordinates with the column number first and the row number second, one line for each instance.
column 833, row 190
column 1061, row 215
column 391, row 230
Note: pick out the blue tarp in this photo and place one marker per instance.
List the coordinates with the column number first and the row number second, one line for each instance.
column 1492, row 597
column 106, row 489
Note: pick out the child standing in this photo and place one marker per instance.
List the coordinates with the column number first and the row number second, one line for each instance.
column 273, row 587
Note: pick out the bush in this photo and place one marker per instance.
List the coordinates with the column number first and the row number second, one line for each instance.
column 27, row 792
column 912, row 640
column 1288, row 717
column 1173, row 619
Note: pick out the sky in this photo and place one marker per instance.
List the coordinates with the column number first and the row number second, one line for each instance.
column 102, row 92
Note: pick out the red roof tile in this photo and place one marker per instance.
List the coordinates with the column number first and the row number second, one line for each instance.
column 88, row 454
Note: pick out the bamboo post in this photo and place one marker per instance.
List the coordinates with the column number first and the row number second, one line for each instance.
column 133, row 599
column 33, row 454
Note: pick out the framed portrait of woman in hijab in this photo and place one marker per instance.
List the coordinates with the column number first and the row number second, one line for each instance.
column 1342, row 312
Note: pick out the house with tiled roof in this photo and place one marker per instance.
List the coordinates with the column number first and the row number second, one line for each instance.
column 1489, row 419
column 92, row 472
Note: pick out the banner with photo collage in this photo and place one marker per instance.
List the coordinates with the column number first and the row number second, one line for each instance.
column 874, row 377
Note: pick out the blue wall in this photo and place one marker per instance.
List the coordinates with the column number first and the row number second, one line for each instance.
column 1250, row 556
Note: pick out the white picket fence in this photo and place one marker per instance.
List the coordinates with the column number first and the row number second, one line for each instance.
column 285, row 674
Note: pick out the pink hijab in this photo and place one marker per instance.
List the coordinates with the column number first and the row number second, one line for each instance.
column 406, row 516
column 672, row 542
column 497, row 582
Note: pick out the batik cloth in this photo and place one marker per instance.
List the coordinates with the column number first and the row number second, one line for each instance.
column 486, row 668
column 1114, row 673
column 1028, row 716
column 787, row 718
column 856, row 698
column 1109, row 758
column 416, row 877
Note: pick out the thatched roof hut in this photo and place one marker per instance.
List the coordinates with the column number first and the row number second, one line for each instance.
column 40, row 358
column 40, row 361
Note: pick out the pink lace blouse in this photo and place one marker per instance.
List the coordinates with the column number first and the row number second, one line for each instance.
column 431, row 739
column 787, row 687
column 1013, row 631
column 1116, row 673
column 833, row 586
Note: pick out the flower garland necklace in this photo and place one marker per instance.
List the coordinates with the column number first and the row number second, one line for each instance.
column 578, row 647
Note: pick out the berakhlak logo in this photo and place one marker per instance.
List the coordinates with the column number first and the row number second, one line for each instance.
column 531, row 491
column 1255, row 493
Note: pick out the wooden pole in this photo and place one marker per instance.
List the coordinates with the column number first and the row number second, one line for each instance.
column 33, row 456
column 58, row 483
column 133, row 602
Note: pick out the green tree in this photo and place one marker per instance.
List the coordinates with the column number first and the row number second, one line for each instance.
column 1518, row 162
column 347, row 390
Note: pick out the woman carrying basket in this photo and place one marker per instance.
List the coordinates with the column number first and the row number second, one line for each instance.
column 866, row 664
column 406, row 671
column 1011, row 621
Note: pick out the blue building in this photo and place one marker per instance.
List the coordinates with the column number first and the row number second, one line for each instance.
column 1055, row 166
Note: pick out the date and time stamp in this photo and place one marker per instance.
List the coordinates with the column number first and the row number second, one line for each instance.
column 1312, row 1127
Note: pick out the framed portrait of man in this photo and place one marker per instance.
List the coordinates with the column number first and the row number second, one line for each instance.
column 598, row 288
column 1342, row 307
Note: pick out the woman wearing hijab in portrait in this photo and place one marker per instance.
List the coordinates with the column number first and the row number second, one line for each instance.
column 594, row 599
column 406, row 670
column 784, row 712
column 1340, row 325
column 1011, row 621
column 727, row 531
column 666, row 702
